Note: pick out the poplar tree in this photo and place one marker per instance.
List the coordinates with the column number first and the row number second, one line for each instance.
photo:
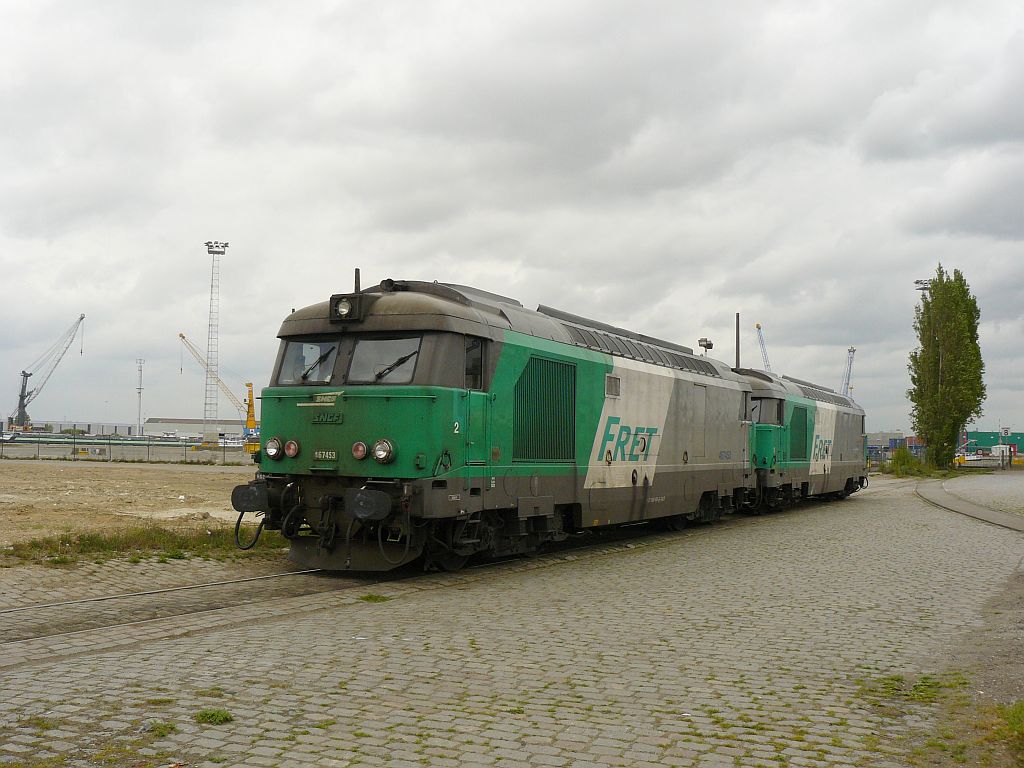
column 946, row 369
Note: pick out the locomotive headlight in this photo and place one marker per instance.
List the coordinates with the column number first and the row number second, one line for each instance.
column 343, row 308
column 291, row 449
column 359, row 450
column 273, row 448
column 384, row 451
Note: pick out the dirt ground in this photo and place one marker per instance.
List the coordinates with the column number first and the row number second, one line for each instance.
column 44, row 498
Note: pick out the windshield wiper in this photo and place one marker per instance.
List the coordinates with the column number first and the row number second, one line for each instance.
column 400, row 361
column 315, row 363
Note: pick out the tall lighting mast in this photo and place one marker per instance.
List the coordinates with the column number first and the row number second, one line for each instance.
column 216, row 249
column 140, row 362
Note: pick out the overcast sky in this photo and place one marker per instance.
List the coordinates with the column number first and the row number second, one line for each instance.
column 656, row 165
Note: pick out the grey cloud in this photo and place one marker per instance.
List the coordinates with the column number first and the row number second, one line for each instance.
column 656, row 165
column 973, row 105
column 981, row 197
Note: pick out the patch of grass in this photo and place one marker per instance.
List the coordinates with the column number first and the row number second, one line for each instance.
column 1012, row 729
column 926, row 690
column 890, row 686
column 138, row 542
column 515, row 710
column 40, row 723
column 159, row 730
column 213, row 716
column 967, row 732
column 372, row 598
column 216, row 692
column 324, row 724
column 159, row 701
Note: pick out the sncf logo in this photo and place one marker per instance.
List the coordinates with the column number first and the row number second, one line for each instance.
column 624, row 442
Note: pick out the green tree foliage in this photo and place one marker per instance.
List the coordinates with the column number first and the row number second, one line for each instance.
column 946, row 369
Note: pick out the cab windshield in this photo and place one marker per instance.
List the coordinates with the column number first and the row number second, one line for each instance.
column 390, row 361
column 393, row 358
column 308, row 362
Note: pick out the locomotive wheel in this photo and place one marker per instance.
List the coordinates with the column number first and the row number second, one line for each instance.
column 450, row 561
column 676, row 522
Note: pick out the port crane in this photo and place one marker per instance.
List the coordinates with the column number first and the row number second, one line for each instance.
column 42, row 368
column 764, row 349
column 845, row 387
column 246, row 411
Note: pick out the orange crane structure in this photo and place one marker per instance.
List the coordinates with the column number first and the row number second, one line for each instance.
column 246, row 411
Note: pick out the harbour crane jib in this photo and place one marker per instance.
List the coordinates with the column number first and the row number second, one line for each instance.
column 42, row 368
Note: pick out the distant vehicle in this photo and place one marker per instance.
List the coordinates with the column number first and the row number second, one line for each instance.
column 978, row 459
column 7, row 436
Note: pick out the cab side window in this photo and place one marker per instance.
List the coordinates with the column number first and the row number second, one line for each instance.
column 767, row 410
column 474, row 363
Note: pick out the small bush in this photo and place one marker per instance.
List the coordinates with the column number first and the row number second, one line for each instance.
column 163, row 729
column 903, row 463
column 213, row 716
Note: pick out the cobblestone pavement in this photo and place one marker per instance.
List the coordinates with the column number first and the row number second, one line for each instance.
column 59, row 618
column 36, row 584
column 751, row 643
column 1002, row 490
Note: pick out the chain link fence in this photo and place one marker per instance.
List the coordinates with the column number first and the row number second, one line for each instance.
column 76, row 448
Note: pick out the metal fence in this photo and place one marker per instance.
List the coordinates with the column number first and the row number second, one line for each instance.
column 78, row 448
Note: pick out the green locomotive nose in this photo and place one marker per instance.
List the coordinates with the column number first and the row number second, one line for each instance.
column 372, row 432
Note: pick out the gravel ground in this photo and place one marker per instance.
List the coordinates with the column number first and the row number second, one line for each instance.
column 43, row 498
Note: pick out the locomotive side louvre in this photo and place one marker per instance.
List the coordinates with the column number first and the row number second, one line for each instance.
column 496, row 429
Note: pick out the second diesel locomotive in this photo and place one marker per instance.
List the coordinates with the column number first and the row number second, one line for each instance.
column 427, row 420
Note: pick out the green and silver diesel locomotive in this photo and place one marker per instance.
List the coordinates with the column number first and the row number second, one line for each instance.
column 426, row 420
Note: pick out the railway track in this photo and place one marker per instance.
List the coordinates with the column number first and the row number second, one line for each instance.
column 48, row 620
column 40, row 621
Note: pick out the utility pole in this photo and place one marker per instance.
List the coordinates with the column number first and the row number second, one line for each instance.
column 140, row 362
column 216, row 249
column 737, row 339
